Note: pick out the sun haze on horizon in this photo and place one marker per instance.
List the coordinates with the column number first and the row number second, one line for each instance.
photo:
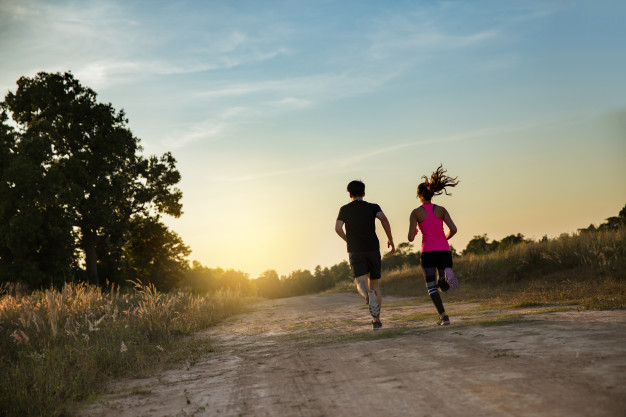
column 271, row 111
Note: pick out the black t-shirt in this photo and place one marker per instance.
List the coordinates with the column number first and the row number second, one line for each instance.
column 360, row 219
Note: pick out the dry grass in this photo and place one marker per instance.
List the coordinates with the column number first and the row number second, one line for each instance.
column 58, row 347
column 587, row 270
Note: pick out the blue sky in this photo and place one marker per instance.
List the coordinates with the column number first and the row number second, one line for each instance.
column 271, row 108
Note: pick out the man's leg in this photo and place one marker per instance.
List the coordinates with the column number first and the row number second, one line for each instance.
column 375, row 302
column 374, row 266
column 361, row 285
column 374, row 284
column 374, row 299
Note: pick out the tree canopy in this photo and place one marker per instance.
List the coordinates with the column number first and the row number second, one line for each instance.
column 611, row 223
column 73, row 183
column 479, row 245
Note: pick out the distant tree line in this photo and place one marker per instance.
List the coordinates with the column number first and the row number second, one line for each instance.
column 300, row 282
column 612, row 223
column 480, row 245
column 402, row 257
column 202, row 279
column 269, row 284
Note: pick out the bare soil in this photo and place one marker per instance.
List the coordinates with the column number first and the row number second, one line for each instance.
column 318, row 356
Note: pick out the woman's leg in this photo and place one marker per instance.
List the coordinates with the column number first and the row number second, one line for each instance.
column 454, row 283
column 441, row 280
column 430, row 275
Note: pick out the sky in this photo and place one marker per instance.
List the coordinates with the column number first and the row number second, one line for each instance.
column 271, row 107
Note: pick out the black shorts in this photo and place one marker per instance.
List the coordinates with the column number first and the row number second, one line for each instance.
column 440, row 259
column 365, row 263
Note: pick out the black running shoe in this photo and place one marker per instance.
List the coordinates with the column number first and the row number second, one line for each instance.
column 376, row 324
column 444, row 320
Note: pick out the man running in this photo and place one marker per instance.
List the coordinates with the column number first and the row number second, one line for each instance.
column 359, row 216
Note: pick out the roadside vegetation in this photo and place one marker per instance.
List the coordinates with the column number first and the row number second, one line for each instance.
column 586, row 269
column 61, row 346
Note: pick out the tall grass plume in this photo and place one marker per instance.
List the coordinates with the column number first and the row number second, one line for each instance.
column 60, row 346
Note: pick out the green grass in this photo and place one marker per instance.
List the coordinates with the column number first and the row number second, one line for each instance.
column 60, row 347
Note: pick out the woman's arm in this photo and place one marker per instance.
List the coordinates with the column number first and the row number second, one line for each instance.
column 412, row 225
column 448, row 221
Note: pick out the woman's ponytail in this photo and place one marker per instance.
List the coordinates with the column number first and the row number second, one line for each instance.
column 436, row 184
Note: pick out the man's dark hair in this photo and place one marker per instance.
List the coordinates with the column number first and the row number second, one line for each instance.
column 356, row 188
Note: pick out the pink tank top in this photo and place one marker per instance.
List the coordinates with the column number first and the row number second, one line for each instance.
column 433, row 236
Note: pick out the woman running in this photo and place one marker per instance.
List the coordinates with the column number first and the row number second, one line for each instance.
column 436, row 257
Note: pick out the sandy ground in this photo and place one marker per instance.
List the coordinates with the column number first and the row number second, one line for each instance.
column 317, row 356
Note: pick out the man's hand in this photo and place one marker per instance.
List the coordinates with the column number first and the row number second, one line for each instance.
column 339, row 230
column 383, row 219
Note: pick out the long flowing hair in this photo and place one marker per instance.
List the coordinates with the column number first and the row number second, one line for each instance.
column 436, row 184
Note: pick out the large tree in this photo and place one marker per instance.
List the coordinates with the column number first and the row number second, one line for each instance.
column 72, row 175
column 155, row 254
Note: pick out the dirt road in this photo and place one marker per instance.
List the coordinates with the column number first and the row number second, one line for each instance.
column 317, row 356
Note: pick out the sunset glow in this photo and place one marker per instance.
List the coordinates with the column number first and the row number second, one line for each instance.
column 272, row 108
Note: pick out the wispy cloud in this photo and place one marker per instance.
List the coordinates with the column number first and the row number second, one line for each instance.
column 417, row 40
column 207, row 129
column 310, row 89
column 65, row 36
column 345, row 163
column 434, row 29
column 265, row 99
column 104, row 73
column 291, row 103
column 459, row 137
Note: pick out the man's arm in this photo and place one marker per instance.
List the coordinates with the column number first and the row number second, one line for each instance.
column 339, row 230
column 383, row 219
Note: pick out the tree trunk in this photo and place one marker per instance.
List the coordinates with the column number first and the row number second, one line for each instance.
column 91, row 259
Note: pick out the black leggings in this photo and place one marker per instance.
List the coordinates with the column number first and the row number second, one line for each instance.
column 434, row 264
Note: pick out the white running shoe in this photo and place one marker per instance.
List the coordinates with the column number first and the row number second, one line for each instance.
column 373, row 304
